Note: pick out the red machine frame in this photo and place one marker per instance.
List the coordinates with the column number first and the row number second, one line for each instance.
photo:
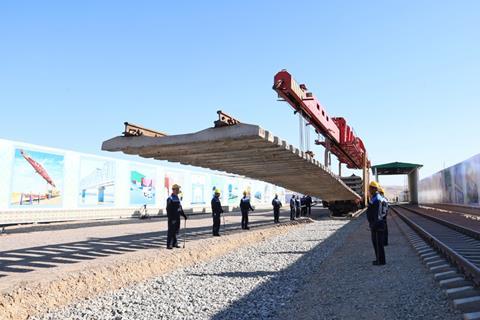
column 339, row 137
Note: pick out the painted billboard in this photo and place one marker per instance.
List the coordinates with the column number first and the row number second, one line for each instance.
column 233, row 192
column 199, row 186
column 65, row 185
column 96, row 182
column 142, row 185
column 259, row 192
column 37, row 178
column 472, row 181
column 458, row 184
column 280, row 192
column 173, row 177
column 218, row 182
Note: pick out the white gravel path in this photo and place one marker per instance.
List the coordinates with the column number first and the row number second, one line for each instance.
column 348, row 286
column 264, row 275
column 264, row 281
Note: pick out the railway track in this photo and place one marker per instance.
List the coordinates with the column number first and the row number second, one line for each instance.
column 475, row 211
column 448, row 234
column 454, row 220
column 449, row 245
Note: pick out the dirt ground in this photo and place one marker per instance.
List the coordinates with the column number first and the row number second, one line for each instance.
column 40, row 266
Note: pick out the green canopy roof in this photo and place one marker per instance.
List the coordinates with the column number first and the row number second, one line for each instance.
column 395, row 168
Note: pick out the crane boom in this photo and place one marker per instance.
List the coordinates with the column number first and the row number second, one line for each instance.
column 339, row 137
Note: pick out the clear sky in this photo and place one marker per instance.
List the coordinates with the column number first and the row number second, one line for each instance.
column 405, row 74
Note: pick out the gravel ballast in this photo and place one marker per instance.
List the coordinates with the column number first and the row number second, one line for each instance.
column 298, row 275
column 348, row 286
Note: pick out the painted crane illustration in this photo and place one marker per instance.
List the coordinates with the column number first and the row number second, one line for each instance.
column 38, row 168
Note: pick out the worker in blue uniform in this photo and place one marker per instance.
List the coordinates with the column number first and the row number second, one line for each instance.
column 277, row 204
column 376, row 222
column 385, row 213
column 292, row 207
column 297, row 206
column 303, row 206
column 216, row 213
column 174, row 211
column 245, row 207
column 308, row 203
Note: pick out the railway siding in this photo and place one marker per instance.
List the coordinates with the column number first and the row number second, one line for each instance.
column 449, row 251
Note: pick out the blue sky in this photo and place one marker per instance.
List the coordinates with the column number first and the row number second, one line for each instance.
column 405, row 74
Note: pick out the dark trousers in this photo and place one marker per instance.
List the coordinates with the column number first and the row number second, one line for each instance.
column 292, row 213
column 297, row 212
column 276, row 214
column 177, row 228
column 216, row 223
column 309, row 210
column 385, row 240
column 304, row 211
column 244, row 219
column 173, row 227
column 378, row 236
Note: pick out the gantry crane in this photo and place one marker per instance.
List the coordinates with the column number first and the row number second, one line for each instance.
column 339, row 137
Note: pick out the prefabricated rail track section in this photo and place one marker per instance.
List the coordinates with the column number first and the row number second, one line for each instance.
column 451, row 235
column 474, row 211
column 242, row 149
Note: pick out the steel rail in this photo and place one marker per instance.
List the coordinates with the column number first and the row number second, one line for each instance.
column 463, row 209
column 465, row 266
column 462, row 229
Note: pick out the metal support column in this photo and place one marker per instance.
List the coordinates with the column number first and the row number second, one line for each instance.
column 327, row 153
column 307, row 136
column 300, row 127
column 413, row 186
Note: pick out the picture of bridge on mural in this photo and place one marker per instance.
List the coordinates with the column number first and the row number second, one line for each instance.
column 97, row 182
column 198, row 188
column 37, row 178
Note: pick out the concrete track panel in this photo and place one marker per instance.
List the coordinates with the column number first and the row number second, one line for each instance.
column 242, row 149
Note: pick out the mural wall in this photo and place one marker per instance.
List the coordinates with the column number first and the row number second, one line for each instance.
column 97, row 182
column 172, row 177
column 234, row 191
column 458, row 184
column 142, row 185
column 218, row 182
column 37, row 178
column 45, row 184
column 198, row 192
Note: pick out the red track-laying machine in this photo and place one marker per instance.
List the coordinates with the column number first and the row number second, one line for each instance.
column 339, row 137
